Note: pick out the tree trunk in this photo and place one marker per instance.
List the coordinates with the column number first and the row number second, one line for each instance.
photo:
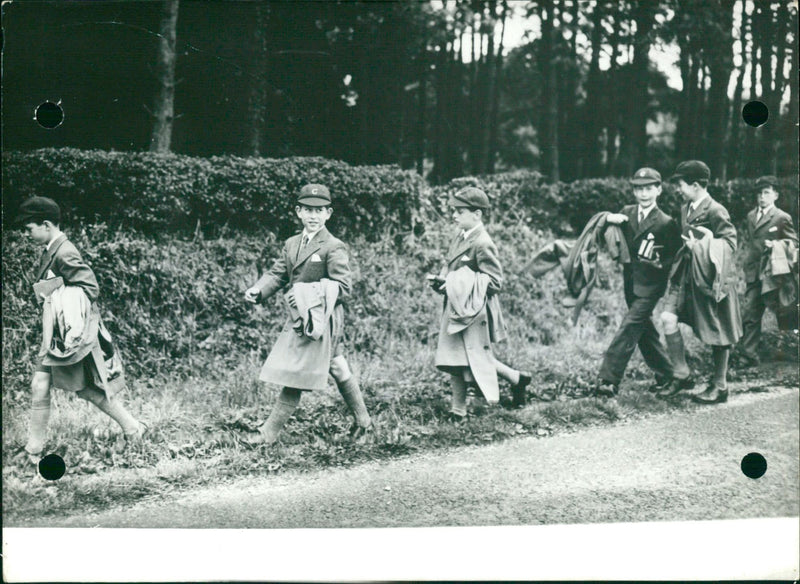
column 549, row 142
column 257, row 104
column 422, row 103
column 164, row 111
column 611, row 112
column 494, row 114
column 592, row 114
column 636, row 147
column 720, row 63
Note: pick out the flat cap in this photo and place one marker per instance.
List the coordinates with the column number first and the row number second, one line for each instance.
column 691, row 171
column 646, row 176
column 766, row 181
column 37, row 210
column 470, row 197
column 314, row 195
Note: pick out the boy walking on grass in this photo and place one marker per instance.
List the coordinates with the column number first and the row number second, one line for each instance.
column 472, row 320
column 314, row 266
column 702, row 291
column 770, row 236
column 76, row 352
column 652, row 238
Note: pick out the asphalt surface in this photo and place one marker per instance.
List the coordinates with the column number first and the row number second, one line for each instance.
column 673, row 467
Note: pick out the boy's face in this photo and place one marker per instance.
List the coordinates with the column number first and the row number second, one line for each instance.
column 688, row 191
column 646, row 195
column 465, row 218
column 313, row 218
column 766, row 197
column 39, row 232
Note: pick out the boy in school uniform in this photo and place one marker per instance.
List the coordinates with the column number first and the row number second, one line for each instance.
column 472, row 319
column 76, row 353
column 766, row 225
column 652, row 238
column 702, row 291
column 314, row 265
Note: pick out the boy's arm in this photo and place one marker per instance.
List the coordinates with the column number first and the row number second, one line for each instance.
column 787, row 228
column 489, row 264
column 722, row 227
column 339, row 269
column 69, row 264
column 672, row 242
column 273, row 280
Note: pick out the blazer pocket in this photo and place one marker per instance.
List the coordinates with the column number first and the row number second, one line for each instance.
column 315, row 258
column 465, row 258
column 773, row 228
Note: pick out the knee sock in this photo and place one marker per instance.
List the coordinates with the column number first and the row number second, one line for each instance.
column 506, row 372
column 37, row 428
column 280, row 414
column 677, row 354
column 459, row 405
column 351, row 393
column 114, row 409
column 720, row 355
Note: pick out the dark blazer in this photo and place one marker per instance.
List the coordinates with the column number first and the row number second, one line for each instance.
column 324, row 257
column 774, row 225
column 64, row 259
column 652, row 247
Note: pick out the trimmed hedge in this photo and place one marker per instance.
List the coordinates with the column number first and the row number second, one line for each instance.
column 155, row 193
column 173, row 193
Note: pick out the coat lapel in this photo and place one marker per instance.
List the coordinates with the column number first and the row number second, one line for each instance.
column 47, row 257
column 648, row 221
column 311, row 248
column 700, row 212
column 460, row 245
column 765, row 217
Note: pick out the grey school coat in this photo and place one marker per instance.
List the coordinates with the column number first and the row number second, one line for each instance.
column 472, row 348
column 324, row 257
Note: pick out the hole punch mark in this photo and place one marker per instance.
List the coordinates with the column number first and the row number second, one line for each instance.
column 49, row 115
column 755, row 113
column 754, row 465
column 52, row 467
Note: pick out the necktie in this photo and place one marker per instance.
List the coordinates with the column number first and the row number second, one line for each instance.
column 641, row 216
column 758, row 215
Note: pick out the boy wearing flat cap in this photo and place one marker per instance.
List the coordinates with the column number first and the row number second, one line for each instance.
column 77, row 353
column 472, row 320
column 766, row 227
column 315, row 268
column 652, row 238
column 702, row 290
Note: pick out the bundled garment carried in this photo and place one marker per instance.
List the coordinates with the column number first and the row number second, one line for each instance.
column 472, row 322
column 302, row 354
column 779, row 272
column 578, row 261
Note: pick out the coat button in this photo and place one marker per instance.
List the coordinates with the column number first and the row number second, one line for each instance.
column 486, row 347
column 483, row 323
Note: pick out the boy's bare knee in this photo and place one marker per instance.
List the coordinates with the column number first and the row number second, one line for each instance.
column 340, row 369
column 40, row 386
column 670, row 322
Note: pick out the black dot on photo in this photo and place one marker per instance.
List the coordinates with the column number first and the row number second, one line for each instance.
column 49, row 115
column 52, row 467
column 754, row 465
column 755, row 113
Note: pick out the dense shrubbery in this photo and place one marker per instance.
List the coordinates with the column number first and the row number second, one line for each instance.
column 154, row 193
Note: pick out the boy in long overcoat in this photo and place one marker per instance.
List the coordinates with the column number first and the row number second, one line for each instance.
column 766, row 225
column 652, row 238
column 472, row 319
column 314, row 265
column 702, row 291
column 77, row 353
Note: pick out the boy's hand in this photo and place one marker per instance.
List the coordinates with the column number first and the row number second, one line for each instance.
column 251, row 295
column 616, row 218
column 437, row 283
column 291, row 300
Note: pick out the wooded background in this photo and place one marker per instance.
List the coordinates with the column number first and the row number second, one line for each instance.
column 429, row 85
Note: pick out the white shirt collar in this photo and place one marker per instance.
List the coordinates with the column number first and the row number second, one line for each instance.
column 761, row 212
column 52, row 241
column 643, row 213
column 310, row 236
column 695, row 204
column 466, row 234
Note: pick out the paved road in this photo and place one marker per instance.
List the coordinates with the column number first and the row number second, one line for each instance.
column 671, row 467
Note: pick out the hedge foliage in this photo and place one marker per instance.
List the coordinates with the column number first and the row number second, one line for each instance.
column 155, row 194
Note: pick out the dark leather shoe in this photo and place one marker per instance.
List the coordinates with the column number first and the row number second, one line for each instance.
column 518, row 392
column 456, row 418
column 362, row 434
column 676, row 386
column 606, row 389
column 660, row 385
column 748, row 362
column 711, row 395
